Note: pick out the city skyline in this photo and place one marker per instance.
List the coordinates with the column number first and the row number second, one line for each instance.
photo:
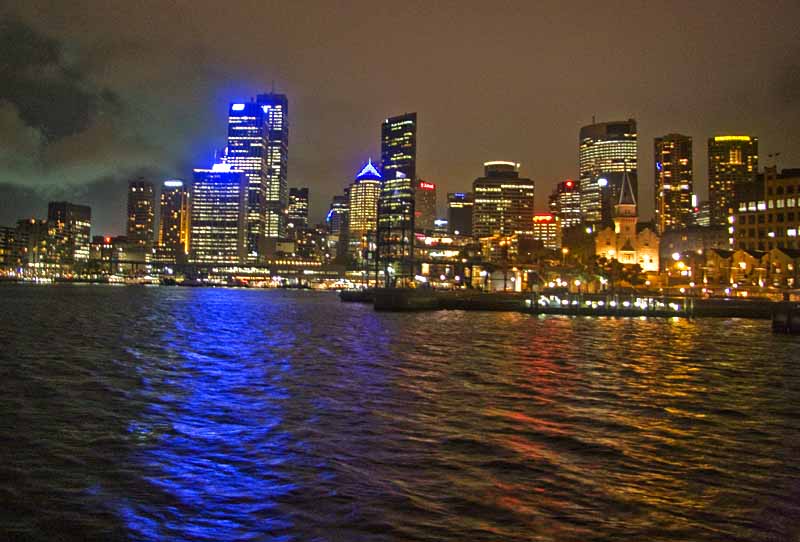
column 456, row 130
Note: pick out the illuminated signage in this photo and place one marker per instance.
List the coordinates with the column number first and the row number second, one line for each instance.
column 237, row 107
column 427, row 186
column 569, row 183
column 543, row 218
column 173, row 184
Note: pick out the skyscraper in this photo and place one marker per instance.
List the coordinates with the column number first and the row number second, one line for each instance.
column 141, row 213
column 399, row 146
column 459, row 213
column 173, row 228
column 674, row 182
column 503, row 201
column 395, row 236
column 75, row 221
column 337, row 219
column 247, row 151
column 276, row 112
column 218, row 215
column 565, row 203
column 424, row 205
column 606, row 150
column 363, row 204
column 732, row 159
column 297, row 212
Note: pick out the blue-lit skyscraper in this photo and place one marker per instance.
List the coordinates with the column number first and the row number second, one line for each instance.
column 276, row 113
column 258, row 140
column 399, row 147
column 218, row 215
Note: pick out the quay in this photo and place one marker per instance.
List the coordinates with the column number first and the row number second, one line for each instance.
column 621, row 305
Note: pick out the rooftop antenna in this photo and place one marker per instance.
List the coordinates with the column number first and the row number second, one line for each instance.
column 593, row 120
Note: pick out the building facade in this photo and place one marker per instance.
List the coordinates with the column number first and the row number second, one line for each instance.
column 141, row 213
column 547, row 230
column 424, row 205
column 674, row 185
column 173, row 227
column 503, row 201
column 276, row 113
column 75, row 221
column 396, row 230
column 297, row 212
column 732, row 160
column 218, row 214
column 767, row 213
column 459, row 213
column 606, row 150
column 565, row 203
column 624, row 242
column 399, row 146
column 363, row 210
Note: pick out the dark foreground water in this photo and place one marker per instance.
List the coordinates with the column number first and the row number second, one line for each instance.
column 131, row 413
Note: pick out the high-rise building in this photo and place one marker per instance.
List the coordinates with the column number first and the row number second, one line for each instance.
column 247, row 151
column 606, row 151
column 732, row 159
column 459, row 213
column 503, row 201
column 276, row 112
column 336, row 220
column 547, row 230
column 399, row 146
column 674, row 182
column 424, row 205
column 173, row 227
column 297, row 213
column 141, row 213
column 75, row 221
column 363, row 205
column 218, row 213
column 395, row 236
column 565, row 203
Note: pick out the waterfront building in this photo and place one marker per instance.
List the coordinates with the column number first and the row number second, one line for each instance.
column 399, row 146
column 363, row 210
column 395, row 235
column 424, row 205
column 297, row 212
column 337, row 221
column 503, row 201
column 75, row 221
column 624, row 242
column 276, row 113
column 547, row 230
column 693, row 239
column 141, row 213
column 44, row 247
column 12, row 248
column 248, row 135
column 732, row 161
column 673, row 182
column 607, row 150
column 173, row 228
column 565, row 203
column 218, row 215
column 767, row 212
column 459, row 213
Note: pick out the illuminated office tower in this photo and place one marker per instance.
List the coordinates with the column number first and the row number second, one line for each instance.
column 363, row 206
column 297, row 212
column 247, row 152
column 565, row 203
column 218, row 214
column 395, row 237
column 399, row 146
column 732, row 159
column 673, row 186
column 336, row 219
column 606, row 150
column 173, row 227
column 503, row 201
column 75, row 221
column 276, row 112
column 547, row 230
column 141, row 213
column 459, row 213
column 424, row 205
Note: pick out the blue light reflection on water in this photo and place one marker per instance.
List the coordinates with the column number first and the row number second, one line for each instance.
column 214, row 438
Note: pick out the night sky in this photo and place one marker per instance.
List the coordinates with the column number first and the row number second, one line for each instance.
column 92, row 93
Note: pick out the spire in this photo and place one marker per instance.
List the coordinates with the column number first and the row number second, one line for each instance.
column 626, row 196
column 369, row 172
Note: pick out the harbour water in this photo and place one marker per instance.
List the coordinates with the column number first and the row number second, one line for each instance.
column 165, row 413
